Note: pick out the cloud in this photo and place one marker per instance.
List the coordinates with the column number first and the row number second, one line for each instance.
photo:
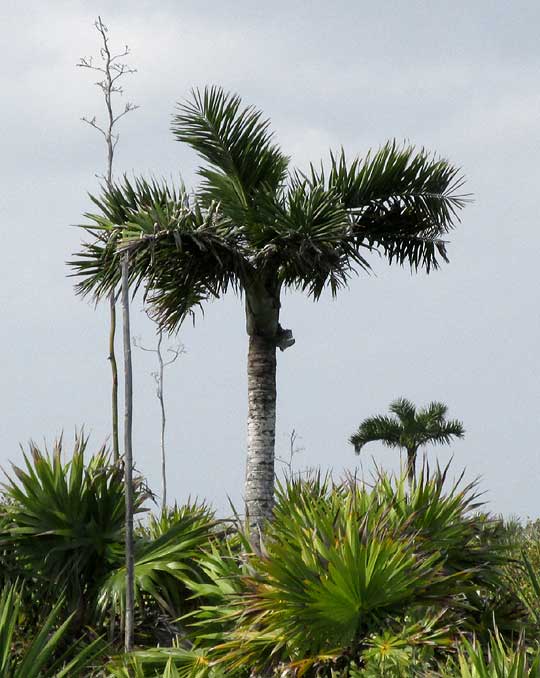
column 459, row 78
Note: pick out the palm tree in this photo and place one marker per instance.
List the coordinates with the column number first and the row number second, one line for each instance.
column 257, row 226
column 409, row 429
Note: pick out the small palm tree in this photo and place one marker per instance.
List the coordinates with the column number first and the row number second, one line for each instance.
column 409, row 429
column 256, row 226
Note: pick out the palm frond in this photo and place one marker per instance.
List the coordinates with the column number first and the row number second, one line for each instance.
column 433, row 427
column 235, row 140
column 435, row 411
column 182, row 252
column 165, row 560
column 343, row 562
column 380, row 428
column 401, row 202
column 404, row 409
column 183, row 269
column 303, row 234
column 445, row 432
column 142, row 203
column 38, row 655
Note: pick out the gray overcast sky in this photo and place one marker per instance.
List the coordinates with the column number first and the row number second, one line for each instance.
column 460, row 78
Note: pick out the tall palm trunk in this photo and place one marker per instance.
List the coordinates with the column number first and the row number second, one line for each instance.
column 261, row 425
column 411, row 464
column 265, row 334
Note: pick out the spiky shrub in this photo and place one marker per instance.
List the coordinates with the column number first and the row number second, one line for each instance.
column 173, row 662
column 39, row 656
column 168, row 553
column 524, row 569
column 11, row 567
column 345, row 562
column 500, row 661
column 198, row 513
column 62, row 529
column 450, row 518
column 65, row 520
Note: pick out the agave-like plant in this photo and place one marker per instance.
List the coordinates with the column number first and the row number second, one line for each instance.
column 65, row 520
column 194, row 511
column 21, row 659
column 62, row 527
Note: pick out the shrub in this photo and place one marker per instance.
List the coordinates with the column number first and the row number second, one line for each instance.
column 343, row 563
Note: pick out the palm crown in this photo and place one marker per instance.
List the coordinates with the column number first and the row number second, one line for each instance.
column 255, row 225
column 256, row 222
column 409, row 429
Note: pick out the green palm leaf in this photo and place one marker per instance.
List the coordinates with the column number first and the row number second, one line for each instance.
column 235, row 140
column 401, row 201
column 166, row 560
column 341, row 562
column 184, row 254
column 254, row 224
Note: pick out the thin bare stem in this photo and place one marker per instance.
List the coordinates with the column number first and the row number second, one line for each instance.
column 112, row 69
column 128, row 461
column 294, row 450
column 114, row 373
column 159, row 378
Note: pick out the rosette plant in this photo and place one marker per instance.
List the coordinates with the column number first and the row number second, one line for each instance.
column 257, row 226
column 353, row 571
column 64, row 521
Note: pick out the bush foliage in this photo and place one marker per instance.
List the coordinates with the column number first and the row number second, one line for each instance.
column 354, row 579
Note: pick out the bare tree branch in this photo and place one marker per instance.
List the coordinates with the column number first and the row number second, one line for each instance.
column 159, row 377
column 112, row 71
column 294, row 450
